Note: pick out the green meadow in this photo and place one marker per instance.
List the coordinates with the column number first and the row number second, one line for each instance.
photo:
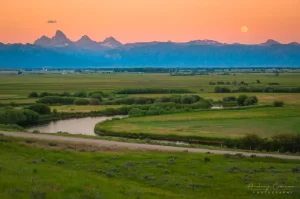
column 42, row 169
column 265, row 122
column 21, row 85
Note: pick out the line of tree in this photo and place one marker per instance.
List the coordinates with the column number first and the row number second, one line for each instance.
column 185, row 99
column 152, row 91
column 57, row 100
column 167, row 108
column 281, row 143
column 242, row 89
column 80, row 94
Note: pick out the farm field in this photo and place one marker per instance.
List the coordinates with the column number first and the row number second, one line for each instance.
column 264, row 122
column 43, row 169
column 22, row 85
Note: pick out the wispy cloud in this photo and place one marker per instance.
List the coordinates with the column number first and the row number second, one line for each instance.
column 51, row 21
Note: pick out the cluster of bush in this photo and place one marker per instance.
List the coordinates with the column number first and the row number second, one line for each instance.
column 152, row 91
column 52, row 100
column 56, row 100
column 219, row 89
column 281, row 143
column 273, row 83
column 228, row 83
column 80, row 94
column 242, row 100
column 243, row 89
column 167, row 108
column 18, row 116
column 186, row 99
column 40, row 108
column 219, row 83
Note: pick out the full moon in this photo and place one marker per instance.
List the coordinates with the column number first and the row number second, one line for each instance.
column 244, row 29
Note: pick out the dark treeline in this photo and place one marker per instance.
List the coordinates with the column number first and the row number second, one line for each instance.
column 57, row 100
column 152, row 91
column 219, row 89
column 281, row 143
column 143, row 70
column 81, row 94
column 185, row 99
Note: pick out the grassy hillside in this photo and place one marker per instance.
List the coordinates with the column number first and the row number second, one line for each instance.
column 41, row 169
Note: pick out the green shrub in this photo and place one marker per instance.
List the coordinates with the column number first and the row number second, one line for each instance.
column 250, row 101
column 189, row 99
column 97, row 92
column 80, row 94
column 94, row 101
column 54, row 111
column 81, row 102
column 18, row 116
column 278, row 103
column 251, row 142
column 56, row 100
column 40, row 108
column 33, row 95
column 61, row 161
column 136, row 112
column 241, row 99
column 97, row 96
column 219, row 89
column 155, row 110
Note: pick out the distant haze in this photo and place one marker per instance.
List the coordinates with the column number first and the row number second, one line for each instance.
column 149, row 20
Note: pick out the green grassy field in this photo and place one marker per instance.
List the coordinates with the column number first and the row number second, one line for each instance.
column 43, row 169
column 22, row 85
column 264, row 122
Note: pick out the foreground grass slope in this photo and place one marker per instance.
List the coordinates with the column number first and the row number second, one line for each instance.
column 265, row 122
column 37, row 169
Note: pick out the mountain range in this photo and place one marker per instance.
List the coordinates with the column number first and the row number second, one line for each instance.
column 60, row 51
column 60, row 40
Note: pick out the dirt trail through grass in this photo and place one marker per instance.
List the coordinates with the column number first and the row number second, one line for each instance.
column 135, row 146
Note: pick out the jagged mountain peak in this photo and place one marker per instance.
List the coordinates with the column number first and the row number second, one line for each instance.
column 270, row 42
column 60, row 34
column 111, row 42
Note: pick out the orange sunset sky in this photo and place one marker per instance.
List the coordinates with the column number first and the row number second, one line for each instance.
column 23, row 21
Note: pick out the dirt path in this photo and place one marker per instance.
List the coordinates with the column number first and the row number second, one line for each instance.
column 106, row 143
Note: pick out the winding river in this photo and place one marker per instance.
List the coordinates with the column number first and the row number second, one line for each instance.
column 83, row 126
